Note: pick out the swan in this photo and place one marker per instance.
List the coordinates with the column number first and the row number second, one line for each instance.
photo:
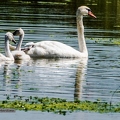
column 17, row 53
column 54, row 49
column 8, row 55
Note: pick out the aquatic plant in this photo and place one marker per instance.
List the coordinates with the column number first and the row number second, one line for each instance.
column 107, row 41
column 57, row 105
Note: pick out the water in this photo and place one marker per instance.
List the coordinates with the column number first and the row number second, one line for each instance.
column 92, row 79
column 46, row 116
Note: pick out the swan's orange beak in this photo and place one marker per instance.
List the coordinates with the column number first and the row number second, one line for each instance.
column 91, row 14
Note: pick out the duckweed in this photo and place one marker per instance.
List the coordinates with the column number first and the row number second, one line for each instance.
column 57, row 105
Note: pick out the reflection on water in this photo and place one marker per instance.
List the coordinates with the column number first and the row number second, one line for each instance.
column 80, row 78
column 46, row 77
column 12, row 82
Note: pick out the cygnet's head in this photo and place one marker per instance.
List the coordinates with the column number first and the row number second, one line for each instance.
column 18, row 32
column 10, row 37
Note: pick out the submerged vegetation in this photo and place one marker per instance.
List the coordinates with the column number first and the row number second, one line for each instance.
column 107, row 41
column 56, row 105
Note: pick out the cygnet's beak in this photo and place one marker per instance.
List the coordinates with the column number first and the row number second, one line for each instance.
column 13, row 40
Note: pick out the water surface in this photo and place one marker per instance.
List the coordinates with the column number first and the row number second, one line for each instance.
column 92, row 79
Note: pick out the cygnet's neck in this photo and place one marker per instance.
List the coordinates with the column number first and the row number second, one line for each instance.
column 7, row 49
column 18, row 47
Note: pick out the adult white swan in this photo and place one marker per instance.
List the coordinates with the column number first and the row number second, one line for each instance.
column 53, row 49
column 8, row 55
column 17, row 53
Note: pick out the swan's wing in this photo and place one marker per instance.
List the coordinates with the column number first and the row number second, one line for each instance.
column 52, row 49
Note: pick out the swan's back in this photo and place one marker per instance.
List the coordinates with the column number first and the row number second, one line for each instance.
column 52, row 49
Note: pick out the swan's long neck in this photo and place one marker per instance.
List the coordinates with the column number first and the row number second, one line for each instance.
column 81, row 38
column 18, row 47
column 7, row 49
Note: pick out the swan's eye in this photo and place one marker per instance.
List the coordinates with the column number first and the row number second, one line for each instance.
column 88, row 9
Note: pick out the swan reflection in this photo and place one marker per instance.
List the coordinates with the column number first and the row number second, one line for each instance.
column 11, row 81
column 60, row 78
column 80, row 78
column 64, row 74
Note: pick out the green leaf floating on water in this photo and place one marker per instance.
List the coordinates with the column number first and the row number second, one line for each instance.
column 57, row 105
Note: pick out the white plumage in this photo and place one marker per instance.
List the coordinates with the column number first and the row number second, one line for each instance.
column 51, row 49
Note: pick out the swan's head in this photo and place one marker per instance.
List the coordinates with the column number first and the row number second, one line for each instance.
column 29, row 44
column 9, row 36
column 84, row 10
column 18, row 32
